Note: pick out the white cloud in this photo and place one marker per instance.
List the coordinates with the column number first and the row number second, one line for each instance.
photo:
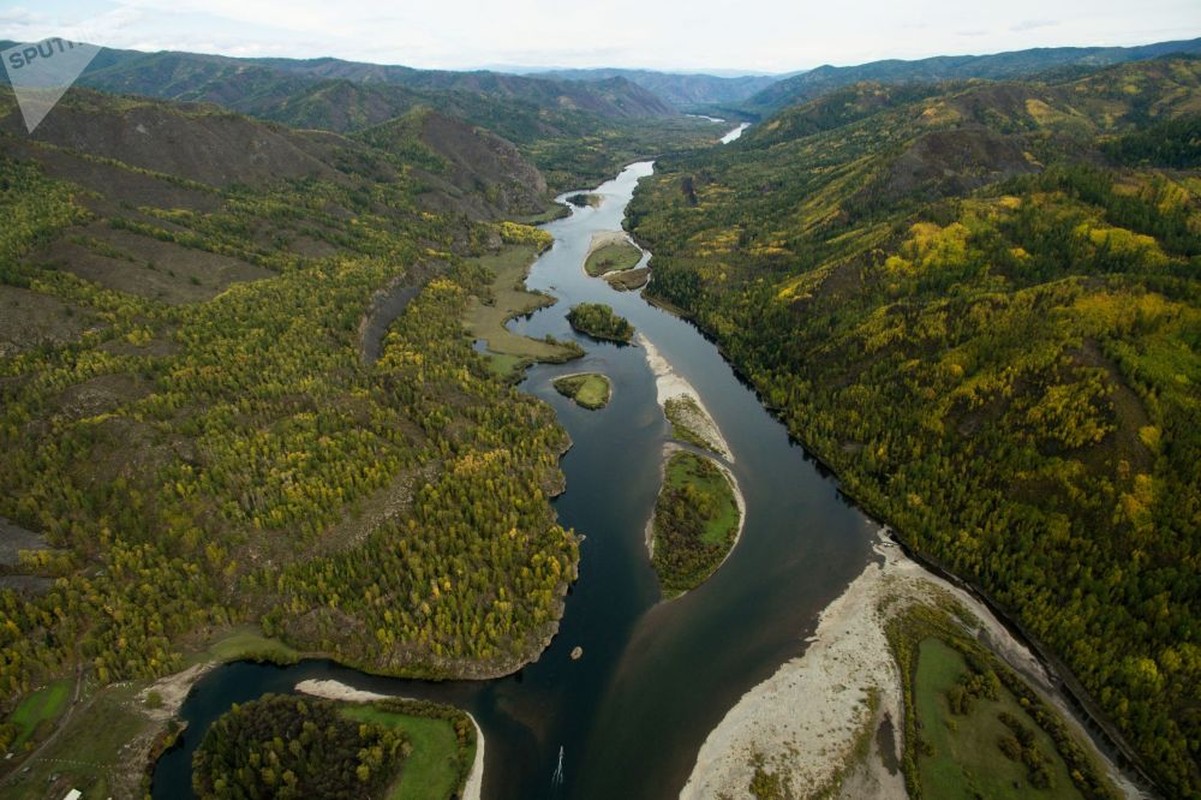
column 749, row 34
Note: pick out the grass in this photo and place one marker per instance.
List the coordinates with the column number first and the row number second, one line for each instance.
column 590, row 390
column 684, row 470
column 431, row 772
column 510, row 299
column 695, row 523
column 43, row 706
column 247, row 642
column 88, row 755
column 959, row 755
column 612, row 257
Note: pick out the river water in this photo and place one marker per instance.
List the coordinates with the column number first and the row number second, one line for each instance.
column 655, row 678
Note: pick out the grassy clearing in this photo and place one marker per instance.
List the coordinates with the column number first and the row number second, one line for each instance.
column 960, row 753
column 89, row 754
column 486, row 320
column 432, row 771
column 590, row 390
column 248, row 643
column 695, row 524
column 613, row 257
column 43, row 706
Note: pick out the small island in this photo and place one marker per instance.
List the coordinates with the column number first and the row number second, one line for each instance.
column 582, row 199
column 598, row 321
column 611, row 251
column 588, row 389
column 696, row 522
column 299, row 746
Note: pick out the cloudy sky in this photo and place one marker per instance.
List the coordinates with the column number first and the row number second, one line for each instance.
column 749, row 35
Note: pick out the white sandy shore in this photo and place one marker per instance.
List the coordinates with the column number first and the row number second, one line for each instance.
column 602, row 238
column 804, row 720
column 669, row 384
column 336, row 690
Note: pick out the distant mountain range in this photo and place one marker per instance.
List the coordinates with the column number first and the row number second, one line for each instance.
column 345, row 96
column 1017, row 64
column 686, row 92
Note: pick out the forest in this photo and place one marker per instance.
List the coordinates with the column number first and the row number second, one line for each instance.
column 197, row 436
column 292, row 747
column 600, row 322
column 979, row 304
column 696, row 520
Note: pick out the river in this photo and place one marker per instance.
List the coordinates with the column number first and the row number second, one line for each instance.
column 655, row 678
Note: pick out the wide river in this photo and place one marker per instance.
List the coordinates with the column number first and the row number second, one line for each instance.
column 655, row 678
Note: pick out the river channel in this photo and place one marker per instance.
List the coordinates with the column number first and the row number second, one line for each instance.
column 655, row 678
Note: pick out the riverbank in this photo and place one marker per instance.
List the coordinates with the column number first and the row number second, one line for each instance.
column 808, row 724
column 336, row 690
column 669, row 384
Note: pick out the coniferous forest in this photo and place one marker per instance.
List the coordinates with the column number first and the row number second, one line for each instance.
column 979, row 303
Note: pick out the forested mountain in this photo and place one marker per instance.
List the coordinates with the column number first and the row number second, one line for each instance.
column 226, row 80
column 576, row 133
column 191, row 434
column 684, row 91
column 981, row 304
column 1016, row 64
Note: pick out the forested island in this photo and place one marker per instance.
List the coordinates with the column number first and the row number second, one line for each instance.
column 290, row 746
column 695, row 524
column 600, row 322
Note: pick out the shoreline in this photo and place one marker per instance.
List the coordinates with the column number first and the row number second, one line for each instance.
column 669, row 384
column 602, row 238
column 336, row 690
column 805, row 720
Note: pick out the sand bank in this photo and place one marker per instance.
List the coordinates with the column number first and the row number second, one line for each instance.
column 804, row 721
column 669, row 384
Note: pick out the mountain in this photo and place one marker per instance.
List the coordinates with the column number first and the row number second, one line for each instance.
column 201, row 433
column 575, row 132
column 249, row 83
column 979, row 303
column 686, row 92
column 1016, row 64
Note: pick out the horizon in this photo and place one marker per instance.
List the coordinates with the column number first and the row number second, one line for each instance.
column 765, row 37
column 530, row 70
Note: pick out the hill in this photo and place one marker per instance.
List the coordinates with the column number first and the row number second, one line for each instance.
column 979, row 303
column 255, row 82
column 575, row 132
column 194, row 440
column 1000, row 66
column 688, row 92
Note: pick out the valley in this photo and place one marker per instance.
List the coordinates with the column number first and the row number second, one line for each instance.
column 332, row 371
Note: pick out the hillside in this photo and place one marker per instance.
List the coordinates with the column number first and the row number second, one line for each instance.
column 688, row 92
column 979, row 303
column 576, row 133
column 195, row 445
column 228, row 81
column 1000, row 66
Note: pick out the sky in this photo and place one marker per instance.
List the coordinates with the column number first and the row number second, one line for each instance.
column 766, row 36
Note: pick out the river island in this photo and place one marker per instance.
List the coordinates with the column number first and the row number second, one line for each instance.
column 590, row 390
